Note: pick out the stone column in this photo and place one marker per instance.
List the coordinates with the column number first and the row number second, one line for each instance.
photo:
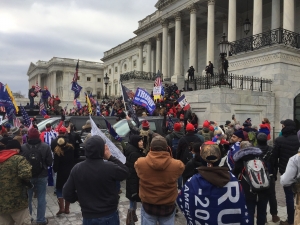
column 39, row 80
column 148, row 57
column 232, row 20
column 289, row 15
column 257, row 16
column 140, row 62
column 54, row 91
column 169, row 52
column 193, row 36
column 152, row 60
column 158, row 53
column 164, row 68
column 275, row 14
column 177, row 57
column 210, row 52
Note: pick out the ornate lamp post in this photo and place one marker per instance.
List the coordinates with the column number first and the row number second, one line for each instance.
column 224, row 46
column 247, row 23
column 106, row 80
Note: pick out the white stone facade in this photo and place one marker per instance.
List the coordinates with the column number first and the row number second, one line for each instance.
column 57, row 75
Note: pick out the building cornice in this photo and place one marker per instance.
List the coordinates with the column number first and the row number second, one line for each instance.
column 162, row 4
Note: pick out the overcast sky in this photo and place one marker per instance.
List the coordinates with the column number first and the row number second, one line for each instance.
column 80, row 29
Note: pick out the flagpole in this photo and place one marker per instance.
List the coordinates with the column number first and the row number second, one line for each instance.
column 123, row 96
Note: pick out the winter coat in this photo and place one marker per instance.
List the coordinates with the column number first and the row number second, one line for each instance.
column 265, row 128
column 204, row 198
column 240, row 157
column 190, row 169
column 174, row 134
column 266, row 149
column 285, row 147
column 184, row 142
column 158, row 173
column 206, row 133
column 14, row 169
column 93, row 182
column 291, row 174
column 132, row 154
column 63, row 165
column 229, row 159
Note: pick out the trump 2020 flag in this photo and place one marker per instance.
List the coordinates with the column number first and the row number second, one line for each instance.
column 112, row 131
column 76, row 88
column 183, row 103
column 143, row 98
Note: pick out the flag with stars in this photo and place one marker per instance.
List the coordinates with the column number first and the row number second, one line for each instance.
column 37, row 87
column 98, row 111
column 76, row 88
column 26, row 119
column 43, row 111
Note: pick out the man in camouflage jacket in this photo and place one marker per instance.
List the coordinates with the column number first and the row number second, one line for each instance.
column 15, row 171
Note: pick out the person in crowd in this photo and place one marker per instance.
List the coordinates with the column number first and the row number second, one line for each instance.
column 158, row 172
column 24, row 135
column 207, row 131
column 145, row 132
column 210, row 196
column 267, row 153
column 63, row 164
column 191, row 168
column 133, row 151
column 185, row 146
column 44, row 97
column 174, row 137
column 38, row 153
column 285, row 147
column 86, row 129
column 194, row 120
column 265, row 127
column 210, row 68
column 235, row 140
column 225, row 66
column 254, row 199
column 15, row 172
column 48, row 135
column 17, row 135
column 31, row 95
column 191, row 72
column 76, row 140
column 96, row 192
column 291, row 178
column 227, row 125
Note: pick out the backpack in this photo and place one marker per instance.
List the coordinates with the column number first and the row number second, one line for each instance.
column 206, row 136
column 187, row 153
column 174, row 146
column 34, row 157
column 256, row 175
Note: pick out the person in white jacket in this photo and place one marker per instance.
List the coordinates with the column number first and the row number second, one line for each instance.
column 292, row 176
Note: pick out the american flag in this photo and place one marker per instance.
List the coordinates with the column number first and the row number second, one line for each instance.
column 25, row 116
column 42, row 109
column 75, row 77
column 17, row 122
column 2, row 109
column 37, row 87
column 157, row 81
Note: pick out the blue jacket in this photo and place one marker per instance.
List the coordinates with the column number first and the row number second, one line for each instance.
column 234, row 149
column 204, row 203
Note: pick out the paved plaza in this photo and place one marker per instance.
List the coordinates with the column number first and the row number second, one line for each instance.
column 75, row 216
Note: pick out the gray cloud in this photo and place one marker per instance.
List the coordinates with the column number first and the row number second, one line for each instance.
column 34, row 30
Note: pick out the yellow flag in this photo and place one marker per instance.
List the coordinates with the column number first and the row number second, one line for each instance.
column 12, row 98
column 89, row 104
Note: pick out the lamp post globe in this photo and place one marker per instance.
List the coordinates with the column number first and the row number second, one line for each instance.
column 106, row 81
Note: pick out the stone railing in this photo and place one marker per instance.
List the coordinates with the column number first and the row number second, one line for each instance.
column 272, row 37
column 231, row 81
column 137, row 75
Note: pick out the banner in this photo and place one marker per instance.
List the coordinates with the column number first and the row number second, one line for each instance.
column 113, row 149
column 183, row 103
column 12, row 98
column 89, row 104
column 157, row 90
column 76, row 88
column 143, row 98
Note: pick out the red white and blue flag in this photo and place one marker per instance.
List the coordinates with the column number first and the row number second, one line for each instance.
column 37, row 87
column 75, row 77
column 26, row 119
column 183, row 103
column 43, row 111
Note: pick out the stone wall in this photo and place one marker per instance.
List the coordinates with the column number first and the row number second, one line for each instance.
column 219, row 104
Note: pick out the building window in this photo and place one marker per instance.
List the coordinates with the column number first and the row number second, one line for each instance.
column 144, row 60
column 116, row 89
column 134, row 63
column 125, row 66
column 116, row 69
column 109, row 71
column 98, row 79
column 88, row 79
column 98, row 94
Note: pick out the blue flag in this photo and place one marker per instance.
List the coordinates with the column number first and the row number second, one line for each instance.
column 76, row 88
column 143, row 98
column 78, row 104
column 43, row 111
column 170, row 124
column 132, row 114
column 112, row 131
column 7, row 103
column 26, row 119
column 98, row 111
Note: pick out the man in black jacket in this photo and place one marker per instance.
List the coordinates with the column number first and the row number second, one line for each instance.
column 93, row 183
column 285, row 147
column 38, row 153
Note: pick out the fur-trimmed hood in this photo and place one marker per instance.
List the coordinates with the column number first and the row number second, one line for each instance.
column 246, row 151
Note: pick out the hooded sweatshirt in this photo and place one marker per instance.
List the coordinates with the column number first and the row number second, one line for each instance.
column 291, row 174
column 158, row 173
column 93, row 181
column 213, row 197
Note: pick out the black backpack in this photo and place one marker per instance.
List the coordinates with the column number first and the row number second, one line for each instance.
column 175, row 142
column 187, row 152
column 34, row 157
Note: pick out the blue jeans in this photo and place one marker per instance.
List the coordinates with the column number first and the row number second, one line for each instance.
column 179, row 183
column 59, row 193
column 112, row 219
column 261, row 205
column 152, row 220
column 40, row 185
column 132, row 205
column 289, row 199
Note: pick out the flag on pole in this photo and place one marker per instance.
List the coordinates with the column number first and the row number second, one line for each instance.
column 17, row 122
column 12, row 98
column 98, row 111
column 132, row 114
column 127, row 94
column 75, row 77
column 157, row 81
column 88, row 104
column 43, row 111
column 78, row 104
column 183, row 103
column 7, row 103
column 170, row 124
column 76, row 88
column 112, row 131
column 37, row 87
column 26, row 119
